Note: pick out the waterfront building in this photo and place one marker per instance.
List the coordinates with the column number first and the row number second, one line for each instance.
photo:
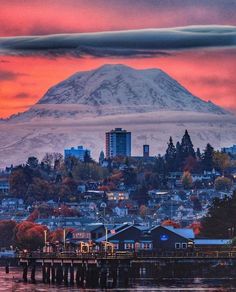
column 118, row 143
column 78, row 152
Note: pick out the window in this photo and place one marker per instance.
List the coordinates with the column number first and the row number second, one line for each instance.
column 184, row 245
column 146, row 245
column 177, row 245
column 129, row 245
column 116, row 246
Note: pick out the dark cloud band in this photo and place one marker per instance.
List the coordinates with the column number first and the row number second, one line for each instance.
column 130, row 43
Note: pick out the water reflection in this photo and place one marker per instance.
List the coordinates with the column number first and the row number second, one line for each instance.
column 12, row 282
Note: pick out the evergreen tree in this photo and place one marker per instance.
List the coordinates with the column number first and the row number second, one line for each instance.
column 187, row 146
column 170, row 155
column 87, row 157
column 178, row 156
column 101, row 157
column 207, row 159
column 220, row 221
column 198, row 154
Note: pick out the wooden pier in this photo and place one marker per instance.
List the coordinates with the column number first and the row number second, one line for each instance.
column 111, row 270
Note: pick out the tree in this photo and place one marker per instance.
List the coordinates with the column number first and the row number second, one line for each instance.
column 39, row 190
column 33, row 216
column 220, row 221
column 186, row 146
column 170, row 155
column 32, row 162
column 196, row 226
column 198, row 154
column 101, row 157
column 170, row 222
column 207, row 159
column 29, row 235
column 143, row 211
column 141, row 195
column 187, row 180
column 52, row 160
column 20, row 179
column 7, row 231
column 223, row 183
column 221, row 161
column 87, row 157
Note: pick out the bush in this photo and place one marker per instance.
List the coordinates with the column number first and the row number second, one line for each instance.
column 223, row 183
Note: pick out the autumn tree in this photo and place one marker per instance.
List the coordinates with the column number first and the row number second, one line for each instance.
column 221, row 161
column 170, row 222
column 187, row 180
column 29, row 235
column 20, row 179
column 33, row 216
column 143, row 211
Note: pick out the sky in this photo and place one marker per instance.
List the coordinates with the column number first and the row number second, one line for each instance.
column 44, row 42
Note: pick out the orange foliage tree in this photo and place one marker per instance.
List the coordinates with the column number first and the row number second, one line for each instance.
column 170, row 222
column 33, row 216
column 196, row 226
column 29, row 235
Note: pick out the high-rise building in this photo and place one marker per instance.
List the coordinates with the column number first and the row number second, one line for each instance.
column 118, row 143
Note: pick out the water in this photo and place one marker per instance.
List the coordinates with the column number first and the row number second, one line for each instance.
column 12, row 282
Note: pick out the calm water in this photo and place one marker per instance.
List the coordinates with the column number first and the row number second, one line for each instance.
column 10, row 282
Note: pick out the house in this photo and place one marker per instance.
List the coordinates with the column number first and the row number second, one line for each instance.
column 170, row 238
column 158, row 238
column 4, row 185
column 117, row 196
column 120, row 211
column 123, row 239
column 13, row 204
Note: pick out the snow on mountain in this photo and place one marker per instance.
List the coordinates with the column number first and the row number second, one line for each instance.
column 117, row 89
column 79, row 110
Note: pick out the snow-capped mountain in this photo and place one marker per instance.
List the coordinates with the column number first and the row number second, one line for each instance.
column 79, row 110
column 118, row 89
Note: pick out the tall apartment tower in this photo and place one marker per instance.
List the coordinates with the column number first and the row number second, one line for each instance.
column 118, row 143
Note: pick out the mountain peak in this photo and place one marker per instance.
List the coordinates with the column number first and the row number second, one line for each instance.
column 118, row 89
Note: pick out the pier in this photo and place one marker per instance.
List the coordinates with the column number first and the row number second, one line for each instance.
column 119, row 269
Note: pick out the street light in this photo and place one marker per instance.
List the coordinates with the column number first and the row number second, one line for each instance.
column 45, row 240
column 64, row 238
column 106, row 230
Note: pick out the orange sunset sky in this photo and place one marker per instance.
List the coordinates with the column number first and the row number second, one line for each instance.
column 207, row 73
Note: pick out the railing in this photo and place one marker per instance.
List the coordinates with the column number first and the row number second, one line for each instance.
column 127, row 255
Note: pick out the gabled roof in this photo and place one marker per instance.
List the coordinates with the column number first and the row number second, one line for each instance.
column 110, row 235
column 183, row 232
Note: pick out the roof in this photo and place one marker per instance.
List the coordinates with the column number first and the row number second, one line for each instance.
column 184, row 232
column 110, row 235
column 212, row 241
